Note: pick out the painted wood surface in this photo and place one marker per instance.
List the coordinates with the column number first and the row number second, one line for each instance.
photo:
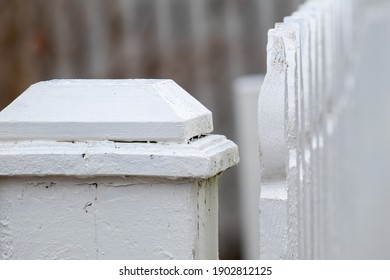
column 319, row 197
column 273, row 150
column 202, row 158
column 108, row 218
column 121, row 110
column 106, row 199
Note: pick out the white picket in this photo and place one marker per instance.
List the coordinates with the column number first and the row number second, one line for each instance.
column 308, row 100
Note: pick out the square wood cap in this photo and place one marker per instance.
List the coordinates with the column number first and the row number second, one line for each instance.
column 117, row 110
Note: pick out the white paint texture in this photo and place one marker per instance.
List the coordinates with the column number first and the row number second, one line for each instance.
column 108, row 218
column 93, row 198
column 201, row 158
column 75, row 110
column 321, row 62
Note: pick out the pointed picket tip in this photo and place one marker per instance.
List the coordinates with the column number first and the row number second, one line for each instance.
column 117, row 110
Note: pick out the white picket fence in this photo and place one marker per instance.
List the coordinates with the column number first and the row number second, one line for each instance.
column 137, row 178
column 322, row 178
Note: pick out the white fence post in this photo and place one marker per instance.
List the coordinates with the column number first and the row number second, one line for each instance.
column 109, row 169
